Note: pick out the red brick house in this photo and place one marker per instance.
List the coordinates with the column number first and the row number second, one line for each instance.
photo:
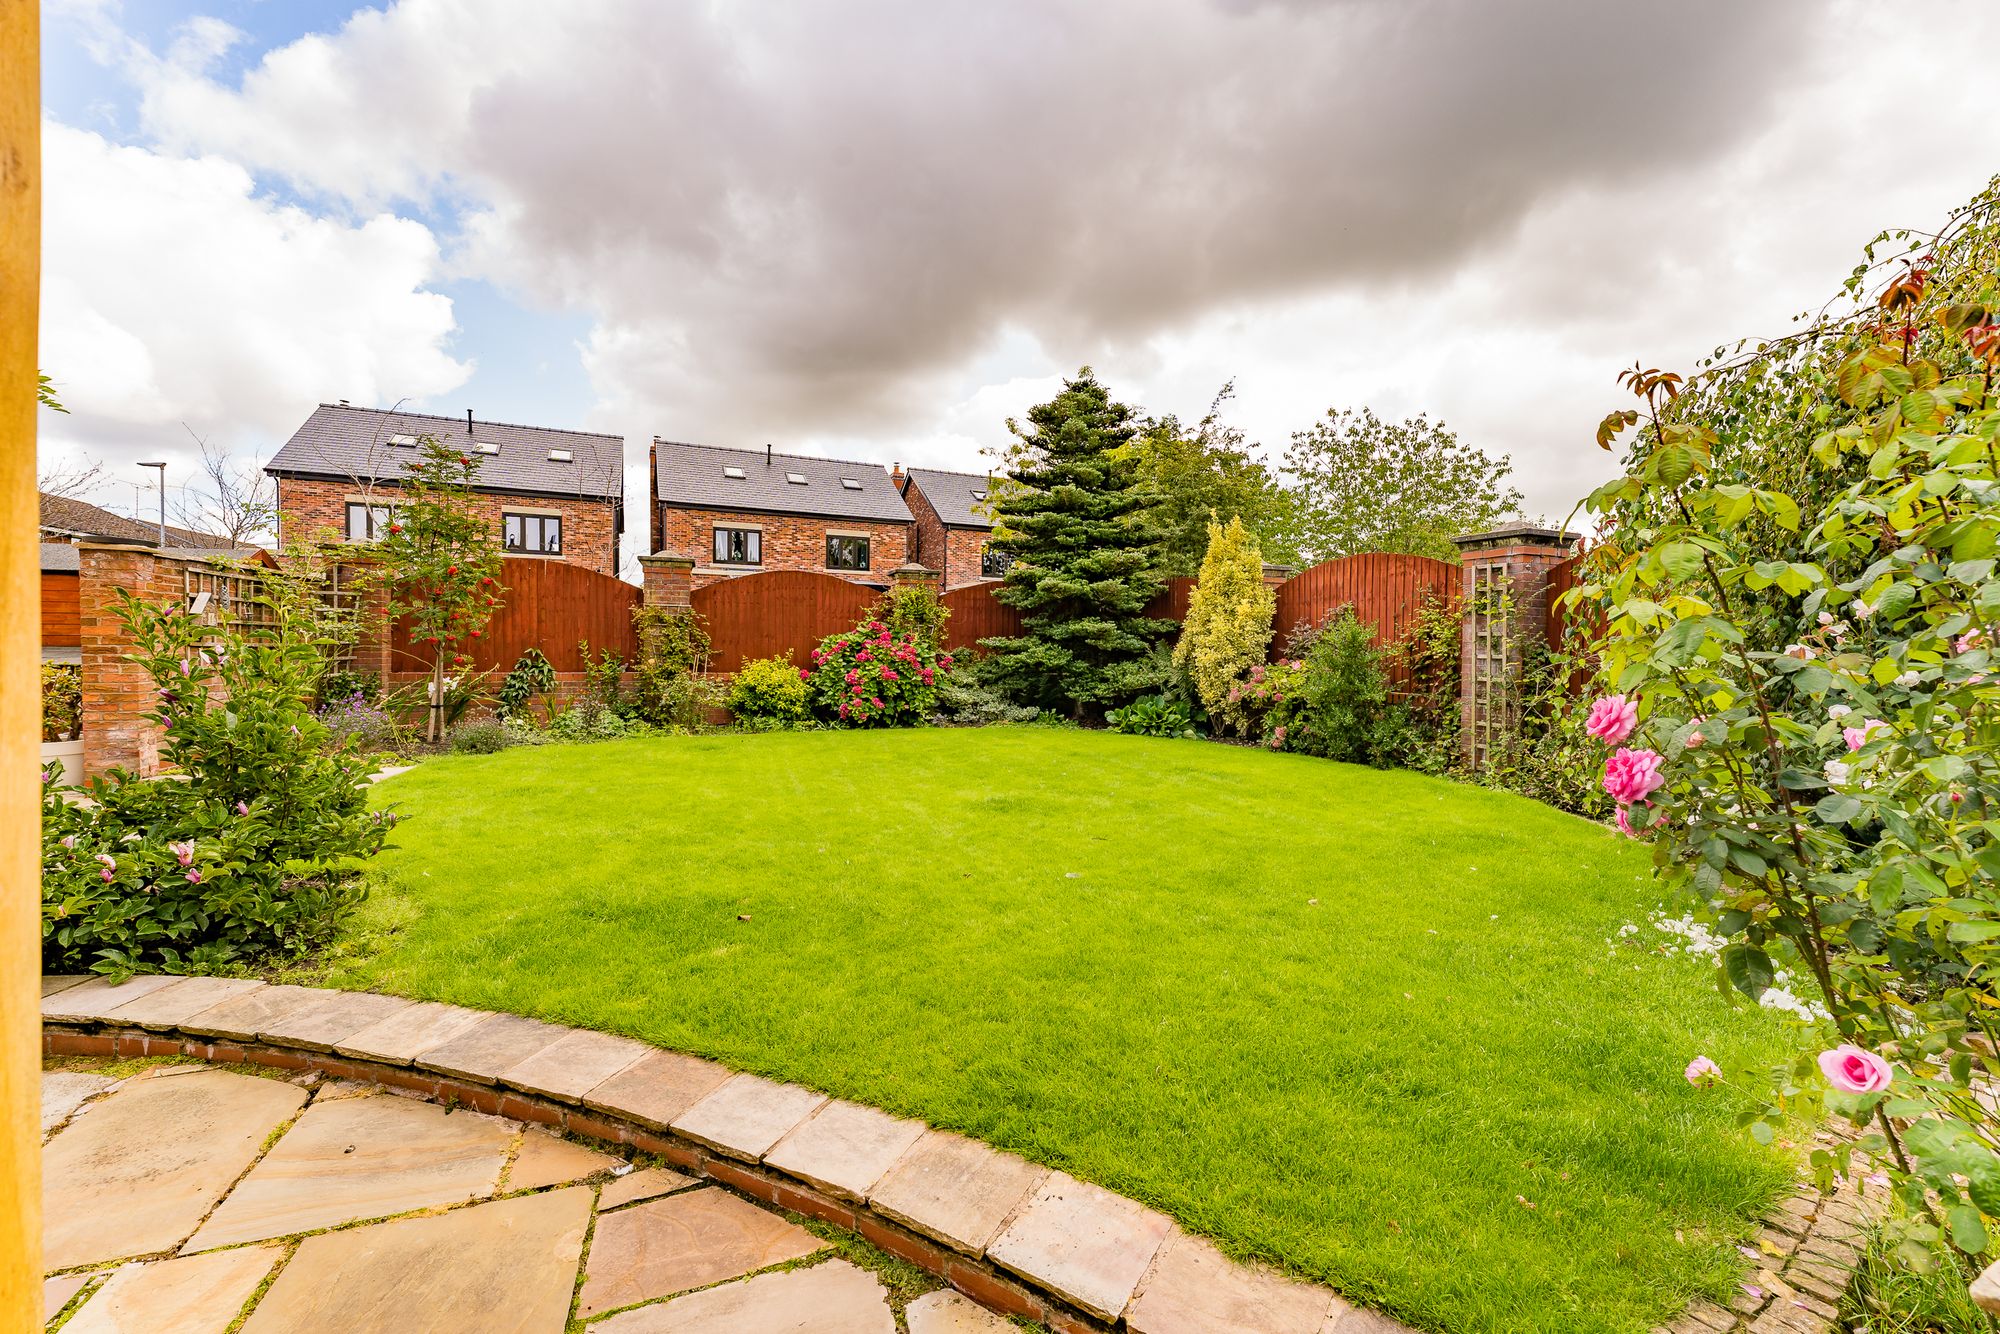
column 740, row 511
column 554, row 494
column 952, row 525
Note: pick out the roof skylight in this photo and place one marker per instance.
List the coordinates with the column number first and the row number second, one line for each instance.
column 560, row 456
column 485, row 447
column 850, row 484
column 735, row 473
column 402, row 440
column 979, row 495
column 796, row 478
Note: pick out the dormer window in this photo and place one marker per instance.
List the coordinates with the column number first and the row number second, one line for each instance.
column 850, row 484
column 796, row 478
column 560, row 456
column 734, row 474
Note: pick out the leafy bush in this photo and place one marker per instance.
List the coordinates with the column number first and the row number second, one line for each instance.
column 913, row 612
column 966, row 701
column 670, row 688
column 530, row 678
column 867, row 677
column 1262, row 701
column 1337, row 707
column 1422, row 732
column 356, row 722
column 1547, row 753
column 595, row 724
column 1228, row 628
column 253, row 849
column 481, row 738
column 603, row 678
column 62, row 701
column 341, row 685
column 1152, row 715
column 770, row 690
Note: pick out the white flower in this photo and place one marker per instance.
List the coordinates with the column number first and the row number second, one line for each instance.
column 1838, row 711
column 1799, row 651
column 1837, row 773
column 1862, row 610
column 1909, row 680
column 1826, row 618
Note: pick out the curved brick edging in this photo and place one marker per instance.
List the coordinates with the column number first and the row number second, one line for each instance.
column 1016, row 1237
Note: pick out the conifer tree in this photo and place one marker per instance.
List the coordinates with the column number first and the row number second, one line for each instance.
column 1076, row 518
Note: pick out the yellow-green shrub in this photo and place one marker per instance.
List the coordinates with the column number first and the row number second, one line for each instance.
column 770, row 689
column 1228, row 626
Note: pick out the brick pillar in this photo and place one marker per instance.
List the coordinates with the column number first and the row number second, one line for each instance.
column 370, row 606
column 117, row 694
column 1274, row 575
column 669, row 580
column 913, row 576
column 1505, row 576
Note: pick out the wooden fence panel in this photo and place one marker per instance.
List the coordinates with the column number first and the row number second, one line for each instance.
column 775, row 613
column 549, row 605
column 1562, row 578
column 62, row 619
column 975, row 615
column 1171, row 604
column 1386, row 592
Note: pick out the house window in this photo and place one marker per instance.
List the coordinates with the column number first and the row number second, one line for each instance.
column 993, row 564
column 846, row 553
column 365, row 522
column 535, row 534
column 739, row 546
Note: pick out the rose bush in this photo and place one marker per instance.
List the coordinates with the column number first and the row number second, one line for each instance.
column 1798, row 589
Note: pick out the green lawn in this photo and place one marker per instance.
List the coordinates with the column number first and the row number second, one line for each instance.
column 1343, row 1020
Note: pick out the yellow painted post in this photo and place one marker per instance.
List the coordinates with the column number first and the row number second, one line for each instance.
column 20, row 673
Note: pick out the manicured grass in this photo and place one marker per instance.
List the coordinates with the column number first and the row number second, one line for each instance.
column 1348, row 1021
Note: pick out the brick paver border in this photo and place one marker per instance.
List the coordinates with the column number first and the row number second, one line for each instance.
column 974, row 1217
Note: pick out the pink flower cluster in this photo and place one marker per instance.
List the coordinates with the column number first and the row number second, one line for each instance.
column 1630, row 776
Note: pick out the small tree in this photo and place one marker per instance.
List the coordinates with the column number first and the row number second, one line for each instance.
column 1363, row 484
column 1076, row 518
column 441, row 564
column 1207, row 471
column 1228, row 626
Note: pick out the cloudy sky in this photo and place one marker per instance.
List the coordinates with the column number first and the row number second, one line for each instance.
column 876, row 229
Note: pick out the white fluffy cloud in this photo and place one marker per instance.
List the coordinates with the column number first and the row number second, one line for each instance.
column 173, row 292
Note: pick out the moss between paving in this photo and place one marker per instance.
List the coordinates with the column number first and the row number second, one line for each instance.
column 1355, row 1023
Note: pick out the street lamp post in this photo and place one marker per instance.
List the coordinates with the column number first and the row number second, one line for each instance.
column 163, row 499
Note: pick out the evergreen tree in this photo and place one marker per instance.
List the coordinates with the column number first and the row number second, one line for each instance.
column 1077, row 518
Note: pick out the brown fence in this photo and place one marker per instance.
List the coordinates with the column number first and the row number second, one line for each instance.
column 62, row 620
column 1385, row 591
column 1563, row 578
column 1171, row 604
column 547, row 605
column 975, row 615
column 776, row 613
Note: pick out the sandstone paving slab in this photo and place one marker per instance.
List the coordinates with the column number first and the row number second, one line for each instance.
column 845, row 1148
column 89, row 1000
column 1353, row 1320
column 947, row 1312
column 490, row 1048
column 574, row 1064
column 644, row 1184
column 57, row 1291
column 246, row 1017
column 338, row 1015
column 546, row 1160
column 955, row 1190
column 1195, row 1287
column 747, row 1115
column 831, row 1298
column 657, row 1088
column 198, row 1294
column 361, row 1158
column 138, row 1173
column 187, row 997
column 54, row 982
column 683, row 1241
column 63, row 1091
column 505, row 1267
column 410, row 1032
column 1082, row 1242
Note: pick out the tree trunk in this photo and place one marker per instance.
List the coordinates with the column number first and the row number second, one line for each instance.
column 434, row 723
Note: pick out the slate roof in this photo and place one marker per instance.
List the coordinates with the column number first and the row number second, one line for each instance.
column 952, row 495
column 692, row 477
column 345, row 443
column 80, row 518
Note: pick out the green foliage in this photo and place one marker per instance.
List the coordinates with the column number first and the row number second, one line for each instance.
column 62, row 701
column 603, row 679
column 45, row 394
column 584, row 724
column 966, row 701
column 1205, row 473
column 1075, row 518
column 531, row 677
column 913, row 612
column 1228, row 627
column 484, row 737
column 1545, row 753
column 339, row 685
column 1813, row 669
column 440, row 561
column 1363, row 484
column 252, row 848
column 771, row 689
column 1898, row 1289
column 1153, row 715
column 670, row 687
column 867, row 677
column 1338, row 707
column 1426, row 719
column 1262, row 703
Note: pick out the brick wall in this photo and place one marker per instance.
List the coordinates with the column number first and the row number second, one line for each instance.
column 117, row 694
column 589, row 527
column 791, row 542
column 1511, row 564
column 952, row 552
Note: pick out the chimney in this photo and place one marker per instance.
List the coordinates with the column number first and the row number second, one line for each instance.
column 767, row 453
column 896, row 476
column 468, row 421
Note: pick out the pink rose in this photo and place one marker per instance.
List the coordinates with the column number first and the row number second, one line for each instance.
column 194, row 877
column 1612, row 719
column 1857, row 737
column 1703, row 1073
column 1625, row 823
column 1855, row 1069
column 1694, row 740
column 1632, row 775
column 1968, row 641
